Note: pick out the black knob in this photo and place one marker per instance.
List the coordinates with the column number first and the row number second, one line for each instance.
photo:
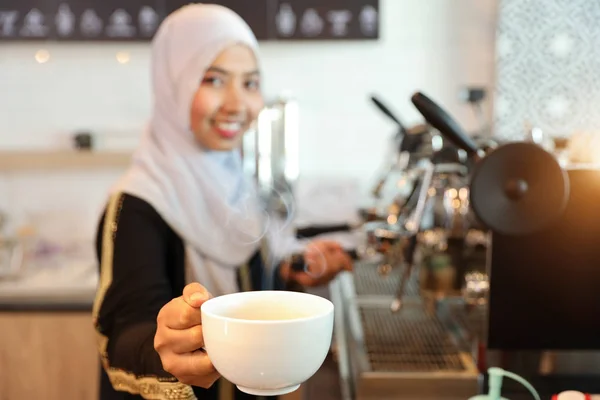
column 516, row 189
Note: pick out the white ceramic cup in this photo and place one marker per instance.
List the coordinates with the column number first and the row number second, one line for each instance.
column 267, row 342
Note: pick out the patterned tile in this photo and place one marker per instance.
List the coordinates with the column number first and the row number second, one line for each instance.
column 548, row 63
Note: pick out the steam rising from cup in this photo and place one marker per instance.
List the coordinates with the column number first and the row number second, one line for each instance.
column 275, row 231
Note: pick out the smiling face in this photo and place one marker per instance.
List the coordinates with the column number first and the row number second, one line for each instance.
column 228, row 100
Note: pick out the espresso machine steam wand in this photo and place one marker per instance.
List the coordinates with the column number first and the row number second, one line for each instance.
column 413, row 225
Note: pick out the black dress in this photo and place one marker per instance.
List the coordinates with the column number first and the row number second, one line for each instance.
column 142, row 267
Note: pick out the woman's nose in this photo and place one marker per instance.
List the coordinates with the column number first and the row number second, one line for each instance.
column 233, row 101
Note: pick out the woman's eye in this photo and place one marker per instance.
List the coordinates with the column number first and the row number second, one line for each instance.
column 252, row 85
column 213, row 81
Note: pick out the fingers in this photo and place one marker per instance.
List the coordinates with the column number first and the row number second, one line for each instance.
column 184, row 312
column 205, row 381
column 332, row 261
column 324, row 245
column 179, row 341
column 331, row 245
column 345, row 261
column 339, row 261
column 195, row 294
column 323, row 266
column 179, row 338
column 319, row 253
column 304, row 279
column 316, row 263
column 193, row 368
column 177, row 314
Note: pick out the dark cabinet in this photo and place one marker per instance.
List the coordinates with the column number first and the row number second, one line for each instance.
column 137, row 20
column 27, row 19
column 79, row 20
column 254, row 12
column 326, row 20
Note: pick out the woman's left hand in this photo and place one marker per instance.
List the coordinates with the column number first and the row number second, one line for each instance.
column 324, row 260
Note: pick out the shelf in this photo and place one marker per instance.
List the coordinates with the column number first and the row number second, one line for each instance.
column 44, row 160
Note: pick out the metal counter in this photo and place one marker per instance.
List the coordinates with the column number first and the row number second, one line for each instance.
column 412, row 354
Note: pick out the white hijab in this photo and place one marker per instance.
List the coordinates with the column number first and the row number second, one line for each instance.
column 202, row 195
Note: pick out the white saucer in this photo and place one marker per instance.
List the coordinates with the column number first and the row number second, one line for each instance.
column 268, row 392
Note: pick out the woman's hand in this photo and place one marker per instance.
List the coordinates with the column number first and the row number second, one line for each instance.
column 324, row 260
column 179, row 339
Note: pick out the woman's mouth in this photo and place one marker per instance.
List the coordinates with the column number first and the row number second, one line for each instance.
column 228, row 130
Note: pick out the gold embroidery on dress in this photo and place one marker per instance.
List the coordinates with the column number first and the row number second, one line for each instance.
column 149, row 387
column 245, row 279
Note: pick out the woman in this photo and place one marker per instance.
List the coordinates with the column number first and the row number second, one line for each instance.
column 184, row 213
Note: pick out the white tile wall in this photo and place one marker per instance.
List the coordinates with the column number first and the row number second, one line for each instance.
column 434, row 45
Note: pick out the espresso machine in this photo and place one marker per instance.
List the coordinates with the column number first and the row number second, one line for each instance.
column 393, row 341
column 433, row 221
column 543, row 259
column 524, row 302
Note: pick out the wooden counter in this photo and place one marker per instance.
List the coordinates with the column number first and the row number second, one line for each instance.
column 48, row 355
column 51, row 354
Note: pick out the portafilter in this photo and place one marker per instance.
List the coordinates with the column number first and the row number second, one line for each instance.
column 517, row 188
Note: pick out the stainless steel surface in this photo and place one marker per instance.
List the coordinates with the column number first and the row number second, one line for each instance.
column 394, row 339
column 442, row 205
column 416, row 354
column 368, row 283
column 413, row 225
column 414, row 222
column 413, row 341
column 476, row 288
column 271, row 153
column 341, row 341
column 438, row 199
column 399, row 162
column 470, row 319
column 387, row 240
column 411, row 354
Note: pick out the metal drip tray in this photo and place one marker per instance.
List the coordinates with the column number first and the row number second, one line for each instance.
column 409, row 341
column 411, row 354
column 368, row 281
